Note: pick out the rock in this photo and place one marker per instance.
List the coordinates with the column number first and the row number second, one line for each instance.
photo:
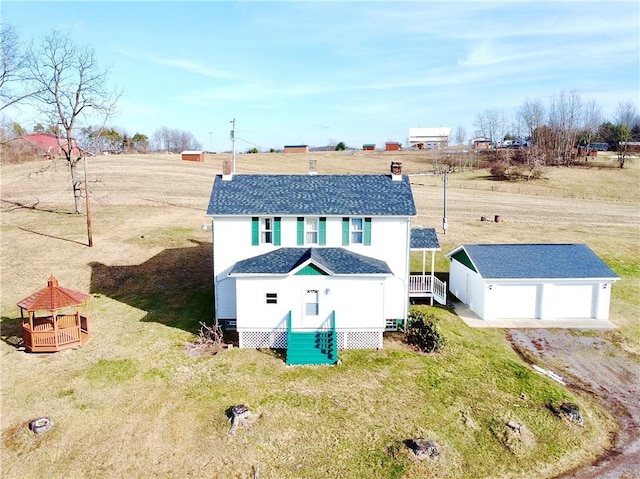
column 40, row 425
column 237, row 415
column 424, row 448
column 516, row 426
column 572, row 411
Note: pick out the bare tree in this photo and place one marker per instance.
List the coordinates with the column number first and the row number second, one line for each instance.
column 13, row 88
column 71, row 89
column 627, row 114
column 532, row 115
column 491, row 124
column 592, row 118
column 626, row 119
column 461, row 135
column 564, row 117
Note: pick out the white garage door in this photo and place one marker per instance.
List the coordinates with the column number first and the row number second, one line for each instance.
column 572, row 301
column 516, row 301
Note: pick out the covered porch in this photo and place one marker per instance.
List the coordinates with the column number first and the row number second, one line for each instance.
column 54, row 320
column 425, row 284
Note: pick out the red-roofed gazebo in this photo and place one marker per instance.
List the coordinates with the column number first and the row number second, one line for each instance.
column 62, row 327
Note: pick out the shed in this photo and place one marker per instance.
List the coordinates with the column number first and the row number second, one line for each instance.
column 392, row 146
column 296, row 148
column 369, row 146
column 60, row 324
column 193, row 155
column 531, row 281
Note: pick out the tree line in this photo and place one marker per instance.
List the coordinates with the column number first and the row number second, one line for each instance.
column 559, row 131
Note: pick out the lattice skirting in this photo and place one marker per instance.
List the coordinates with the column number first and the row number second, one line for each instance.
column 263, row 339
column 278, row 339
column 360, row 340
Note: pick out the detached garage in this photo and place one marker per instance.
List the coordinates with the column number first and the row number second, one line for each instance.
column 531, row 281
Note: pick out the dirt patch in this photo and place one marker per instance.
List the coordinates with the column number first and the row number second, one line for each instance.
column 593, row 365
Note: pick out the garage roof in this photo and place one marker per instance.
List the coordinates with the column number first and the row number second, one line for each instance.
column 535, row 261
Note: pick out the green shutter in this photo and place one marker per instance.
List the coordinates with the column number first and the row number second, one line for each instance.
column 367, row 231
column 276, row 231
column 345, row 231
column 300, row 231
column 255, row 231
column 322, row 231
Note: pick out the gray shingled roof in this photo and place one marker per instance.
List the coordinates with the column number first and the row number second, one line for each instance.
column 522, row 261
column 333, row 260
column 371, row 195
column 424, row 238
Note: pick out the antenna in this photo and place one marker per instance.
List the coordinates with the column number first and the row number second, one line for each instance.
column 233, row 145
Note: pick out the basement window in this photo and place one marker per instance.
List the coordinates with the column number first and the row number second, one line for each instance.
column 271, row 298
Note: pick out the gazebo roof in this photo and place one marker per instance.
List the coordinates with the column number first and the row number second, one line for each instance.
column 53, row 297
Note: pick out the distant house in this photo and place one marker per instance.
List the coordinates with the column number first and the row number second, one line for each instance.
column 193, row 155
column 531, row 281
column 391, row 146
column 316, row 263
column 49, row 145
column 369, row 146
column 296, row 148
column 480, row 143
column 429, row 138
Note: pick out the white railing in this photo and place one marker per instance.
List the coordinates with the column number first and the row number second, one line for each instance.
column 427, row 284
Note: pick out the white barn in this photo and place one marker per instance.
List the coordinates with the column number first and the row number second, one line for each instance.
column 315, row 255
column 531, row 281
column 429, row 138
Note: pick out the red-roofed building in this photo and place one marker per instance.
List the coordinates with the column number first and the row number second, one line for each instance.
column 49, row 145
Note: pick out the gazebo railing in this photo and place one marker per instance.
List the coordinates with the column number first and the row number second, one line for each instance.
column 45, row 337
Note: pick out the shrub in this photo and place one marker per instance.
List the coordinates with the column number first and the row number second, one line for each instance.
column 423, row 332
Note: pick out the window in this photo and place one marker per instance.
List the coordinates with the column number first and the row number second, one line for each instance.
column 266, row 230
column 311, row 306
column 357, row 230
column 271, row 298
column 311, row 230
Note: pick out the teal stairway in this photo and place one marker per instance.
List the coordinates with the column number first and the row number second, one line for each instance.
column 312, row 347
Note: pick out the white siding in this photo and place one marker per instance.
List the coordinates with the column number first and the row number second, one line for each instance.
column 467, row 286
column 357, row 302
column 389, row 243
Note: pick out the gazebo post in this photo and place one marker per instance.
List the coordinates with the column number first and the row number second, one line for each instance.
column 54, row 317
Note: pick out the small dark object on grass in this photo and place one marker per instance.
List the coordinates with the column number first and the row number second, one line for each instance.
column 572, row 411
column 237, row 415
column 423, row 448
column 40, row 425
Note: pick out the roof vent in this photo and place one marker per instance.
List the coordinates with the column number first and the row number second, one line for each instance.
column 396, row 170
column 313, row 167
column 227, row 170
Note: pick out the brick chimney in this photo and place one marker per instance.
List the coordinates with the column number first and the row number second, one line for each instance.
column 227, row 170
column 313, row 167
column 396, row 170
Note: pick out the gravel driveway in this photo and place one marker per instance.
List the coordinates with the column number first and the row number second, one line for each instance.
column 595, row 365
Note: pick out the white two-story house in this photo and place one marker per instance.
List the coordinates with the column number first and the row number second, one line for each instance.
column 300, row 255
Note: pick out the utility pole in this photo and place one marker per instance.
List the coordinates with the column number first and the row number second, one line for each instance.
column 444, row 214
column 86, row 193
column 233, row 145
column 210, row 142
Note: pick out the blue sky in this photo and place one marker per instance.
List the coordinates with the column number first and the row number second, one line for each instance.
column 360, row 72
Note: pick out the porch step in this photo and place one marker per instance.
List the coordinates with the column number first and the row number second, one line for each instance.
column 315, row 347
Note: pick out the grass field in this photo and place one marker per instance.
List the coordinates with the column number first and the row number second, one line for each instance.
column 133, row 403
